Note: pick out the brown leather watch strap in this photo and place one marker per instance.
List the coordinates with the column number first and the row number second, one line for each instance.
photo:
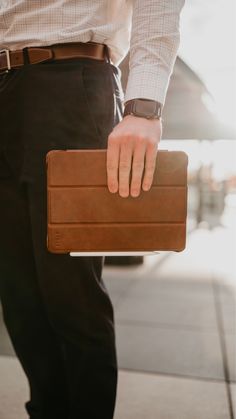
column 15, row 59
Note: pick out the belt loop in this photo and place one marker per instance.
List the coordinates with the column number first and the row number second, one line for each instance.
column 107, row 53
column 26, row 56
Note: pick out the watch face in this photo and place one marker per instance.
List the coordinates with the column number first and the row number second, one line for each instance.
column 148, row 109
column 144, row 108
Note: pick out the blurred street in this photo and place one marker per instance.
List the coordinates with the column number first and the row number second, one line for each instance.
column 176, row 330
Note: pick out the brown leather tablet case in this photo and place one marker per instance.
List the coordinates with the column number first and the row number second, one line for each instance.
column 83, row 216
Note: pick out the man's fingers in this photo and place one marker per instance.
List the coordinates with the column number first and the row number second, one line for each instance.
column 123, row 161
column 137, row 169
column 150, row 164
column 131, row 155
column 125, row 168
column 112, row 165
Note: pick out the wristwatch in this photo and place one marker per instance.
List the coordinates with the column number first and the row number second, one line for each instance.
column 143, row 108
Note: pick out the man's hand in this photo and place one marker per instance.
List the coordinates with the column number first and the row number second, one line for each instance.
column 131, row 155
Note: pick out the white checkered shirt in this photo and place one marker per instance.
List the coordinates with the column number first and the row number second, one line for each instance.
column 150, row 28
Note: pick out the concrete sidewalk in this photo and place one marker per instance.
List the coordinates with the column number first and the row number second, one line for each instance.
column 176, row 335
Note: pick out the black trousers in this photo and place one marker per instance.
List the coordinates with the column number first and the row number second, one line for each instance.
column 56, row 308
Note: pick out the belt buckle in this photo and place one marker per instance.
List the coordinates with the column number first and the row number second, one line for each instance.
column 7, row 52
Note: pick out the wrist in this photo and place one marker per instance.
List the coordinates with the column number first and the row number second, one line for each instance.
column 144, row 108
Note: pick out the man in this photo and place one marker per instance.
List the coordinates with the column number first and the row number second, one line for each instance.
column 60, row 89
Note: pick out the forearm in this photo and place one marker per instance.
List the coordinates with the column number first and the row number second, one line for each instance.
column 154, row 44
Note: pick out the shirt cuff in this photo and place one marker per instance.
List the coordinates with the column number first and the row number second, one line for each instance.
column 147, row 82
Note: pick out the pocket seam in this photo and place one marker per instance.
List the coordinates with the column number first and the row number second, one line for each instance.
column 88, row 107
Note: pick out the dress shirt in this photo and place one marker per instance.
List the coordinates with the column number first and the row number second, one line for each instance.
column 149, row 28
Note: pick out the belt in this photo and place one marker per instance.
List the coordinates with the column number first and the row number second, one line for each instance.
column 33, row 55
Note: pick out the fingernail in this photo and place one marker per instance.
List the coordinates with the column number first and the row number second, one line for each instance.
column 113, row 189
column 124, row 194
column 135, row 193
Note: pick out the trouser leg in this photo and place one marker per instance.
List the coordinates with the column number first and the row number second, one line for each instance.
column 81, row 313
column 56, row 307
column 34, row 341
column 57, row 312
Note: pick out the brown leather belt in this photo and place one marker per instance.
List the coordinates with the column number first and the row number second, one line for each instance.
column 33, row 55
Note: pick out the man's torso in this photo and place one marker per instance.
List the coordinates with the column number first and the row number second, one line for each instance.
column 28, row 23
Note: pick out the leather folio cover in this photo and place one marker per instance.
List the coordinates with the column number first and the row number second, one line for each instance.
column 83, row 216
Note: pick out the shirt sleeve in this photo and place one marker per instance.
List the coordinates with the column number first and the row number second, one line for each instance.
column 153, row 48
